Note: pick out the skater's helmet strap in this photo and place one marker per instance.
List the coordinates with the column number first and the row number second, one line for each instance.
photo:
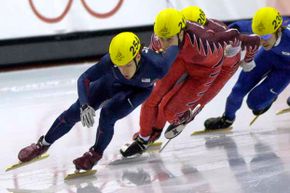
column 168, row 23
column 194, row 14
column 123, row 48
column 267, row 20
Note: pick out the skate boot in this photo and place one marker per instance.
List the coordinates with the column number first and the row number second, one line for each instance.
column 175, row 129
column 261, row 111
column 217, row 123
column 137, row 147
column 32, row 151
column 87, row 160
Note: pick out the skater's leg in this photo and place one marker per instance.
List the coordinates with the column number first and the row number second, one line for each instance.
column 60, row 127
column 246, row 82
column 234, row 101
column 262, row 96
column 229, row 67
column 116, row 108
column 201, row 77
column 63, row 123
column 187, row 97
column 98, row 93
column 150, row 108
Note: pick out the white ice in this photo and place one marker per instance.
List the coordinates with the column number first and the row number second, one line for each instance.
column 252, row 159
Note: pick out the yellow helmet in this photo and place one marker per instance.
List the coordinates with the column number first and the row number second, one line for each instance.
column 168, row 23
column 195, row 14
column 123, row 48
column 266, row 21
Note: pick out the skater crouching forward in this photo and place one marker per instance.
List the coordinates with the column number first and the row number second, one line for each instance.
column 198, row 64
column 269, row 78
column 123, row 78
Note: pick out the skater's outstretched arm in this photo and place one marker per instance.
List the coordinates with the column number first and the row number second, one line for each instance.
column 93, row 73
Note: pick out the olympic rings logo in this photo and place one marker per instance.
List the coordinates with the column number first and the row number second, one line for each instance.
column 67, row 8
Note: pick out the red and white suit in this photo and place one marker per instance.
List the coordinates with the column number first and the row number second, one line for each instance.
column 197, row 75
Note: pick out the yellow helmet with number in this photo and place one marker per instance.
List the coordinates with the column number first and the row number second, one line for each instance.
column 195, row 14
column 267, row 20
column 168, row 23
column 123, row 48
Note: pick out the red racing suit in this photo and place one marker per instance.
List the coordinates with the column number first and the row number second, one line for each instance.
column 192, row 78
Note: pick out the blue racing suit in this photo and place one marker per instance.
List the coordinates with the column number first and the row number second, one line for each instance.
column 267, row 80
column 103, row 86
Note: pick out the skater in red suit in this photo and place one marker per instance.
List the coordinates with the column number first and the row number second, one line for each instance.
column 197, row 66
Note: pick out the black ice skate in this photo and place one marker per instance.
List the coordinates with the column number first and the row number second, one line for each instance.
column 217, row 123
column 257, row 113
column 260, row 112
column 138, row 146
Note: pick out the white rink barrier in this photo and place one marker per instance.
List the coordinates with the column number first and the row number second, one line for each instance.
column 29, row 18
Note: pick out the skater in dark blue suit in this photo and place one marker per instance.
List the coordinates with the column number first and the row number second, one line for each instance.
column 267, row 76
column 117, row 84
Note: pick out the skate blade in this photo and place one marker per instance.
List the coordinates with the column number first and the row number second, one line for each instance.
column 283, row 111
column 80, row 174
column 212, row 131
column 156, row 143
column 174, row 132
column 21, row 164
column 254, row 120
column 154, row 147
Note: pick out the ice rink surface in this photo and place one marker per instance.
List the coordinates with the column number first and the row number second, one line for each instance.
column 252, row 159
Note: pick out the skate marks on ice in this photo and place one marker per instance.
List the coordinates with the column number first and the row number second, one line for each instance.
column 125, row 160
column 85, row 184
column 154, row 147
column 204, row 131
column 283, row 111
column 13, row 190
column 21, row 164
column 78, row 174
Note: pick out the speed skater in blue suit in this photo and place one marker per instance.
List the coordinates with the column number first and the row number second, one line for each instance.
column 117, row 84
column 267, row 76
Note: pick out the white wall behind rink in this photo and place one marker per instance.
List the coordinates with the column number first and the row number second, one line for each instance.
column 28, row 18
